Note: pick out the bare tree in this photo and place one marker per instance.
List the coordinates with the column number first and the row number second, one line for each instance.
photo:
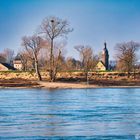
column 33, row 46
column 126, row 56
column 9, row 55
column 43, row 59
column 86, row 55
column 2, row 58
column 58, row 59
column 53, row 28
column 25, row 59
column 70, row 63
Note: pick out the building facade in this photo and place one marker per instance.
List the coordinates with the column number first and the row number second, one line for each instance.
column 17, row 63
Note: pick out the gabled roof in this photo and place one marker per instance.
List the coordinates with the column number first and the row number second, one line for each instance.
column 100, row 66
column 101, row 62
column 8, row 66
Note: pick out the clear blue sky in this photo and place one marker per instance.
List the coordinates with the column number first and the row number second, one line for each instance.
column 94, row 21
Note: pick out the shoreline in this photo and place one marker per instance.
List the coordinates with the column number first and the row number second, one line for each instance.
column 26, row 84
column 63, row 85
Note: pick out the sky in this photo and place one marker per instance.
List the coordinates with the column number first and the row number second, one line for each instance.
column 93, row 21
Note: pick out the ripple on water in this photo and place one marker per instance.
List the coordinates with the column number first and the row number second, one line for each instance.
column 70, row 114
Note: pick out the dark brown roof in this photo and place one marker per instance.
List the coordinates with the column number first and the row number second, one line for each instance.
column 17, row 58
column 8, row 66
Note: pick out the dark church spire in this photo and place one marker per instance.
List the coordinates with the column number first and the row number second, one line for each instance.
column 105, row 44
column 105, row 56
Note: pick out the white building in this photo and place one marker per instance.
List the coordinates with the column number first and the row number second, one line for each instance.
column 17, row 63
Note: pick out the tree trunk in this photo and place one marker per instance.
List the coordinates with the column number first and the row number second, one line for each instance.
column 53, row 78
column 37, row 70
column 51, row 73
column 128, row 73
column 86, row 76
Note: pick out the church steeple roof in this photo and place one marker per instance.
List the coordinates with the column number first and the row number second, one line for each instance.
column 105, row 56
column 105, row 44
column 105, row 47
column 17, row 57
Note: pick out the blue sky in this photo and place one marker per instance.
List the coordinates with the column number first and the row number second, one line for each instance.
column 94, row 21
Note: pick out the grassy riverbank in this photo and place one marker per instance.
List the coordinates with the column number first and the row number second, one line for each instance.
column 68, row 80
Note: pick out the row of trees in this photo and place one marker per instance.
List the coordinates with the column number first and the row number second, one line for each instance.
column 45, row 51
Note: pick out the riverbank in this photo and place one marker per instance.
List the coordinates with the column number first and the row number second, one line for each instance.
column 65, row 85
column 18, row 83
column 100, row 83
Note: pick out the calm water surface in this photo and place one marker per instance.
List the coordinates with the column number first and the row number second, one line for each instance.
column 110, row 114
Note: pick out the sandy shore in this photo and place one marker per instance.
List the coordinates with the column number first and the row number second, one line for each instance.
column 65, row 85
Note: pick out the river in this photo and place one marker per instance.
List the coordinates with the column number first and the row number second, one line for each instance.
column 105, row 113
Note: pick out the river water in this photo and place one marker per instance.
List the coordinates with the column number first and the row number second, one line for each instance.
column 106, row 113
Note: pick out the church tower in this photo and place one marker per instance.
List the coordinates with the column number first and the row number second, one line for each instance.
column 105, row 56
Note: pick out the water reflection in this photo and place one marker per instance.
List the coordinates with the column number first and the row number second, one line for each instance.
column 35, row 114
